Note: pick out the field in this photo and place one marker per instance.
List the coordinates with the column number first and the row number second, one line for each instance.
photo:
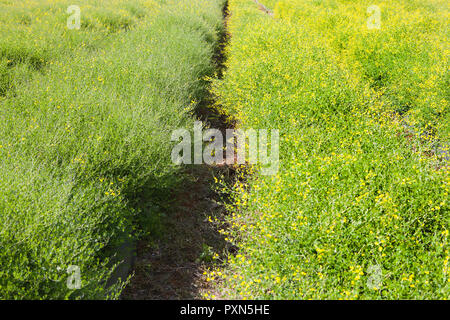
column 359, row 207
column 86, row 121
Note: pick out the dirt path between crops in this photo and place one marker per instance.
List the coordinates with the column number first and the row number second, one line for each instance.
column 172, row 267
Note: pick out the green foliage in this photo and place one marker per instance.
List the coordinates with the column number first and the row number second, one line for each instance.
column 359, row 207
column 85, row 134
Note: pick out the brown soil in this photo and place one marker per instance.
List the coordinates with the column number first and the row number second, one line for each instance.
column 172, row 268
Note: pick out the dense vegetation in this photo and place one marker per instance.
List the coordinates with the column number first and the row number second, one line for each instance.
column 359, row 208
column 86, row 119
